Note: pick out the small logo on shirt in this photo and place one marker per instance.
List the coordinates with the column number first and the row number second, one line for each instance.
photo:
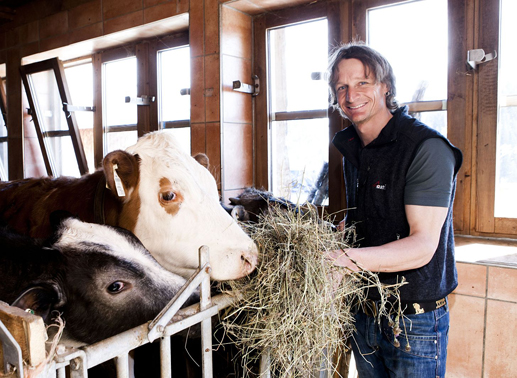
column 379, row 186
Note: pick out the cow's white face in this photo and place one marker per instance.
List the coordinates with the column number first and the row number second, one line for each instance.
column 179, row 211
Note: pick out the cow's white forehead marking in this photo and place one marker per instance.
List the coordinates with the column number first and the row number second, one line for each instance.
column 162, row 156
column 74, row 232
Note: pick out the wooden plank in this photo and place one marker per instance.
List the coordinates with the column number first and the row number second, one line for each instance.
column 260, row 138
column 459, row 118
column 29, row 332
column 487, row 118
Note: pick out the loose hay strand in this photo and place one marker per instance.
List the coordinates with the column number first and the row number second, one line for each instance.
column 293, row 308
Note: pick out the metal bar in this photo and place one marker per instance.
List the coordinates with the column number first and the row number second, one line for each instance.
column 78, row 368
column 122, row 365
column 426, row 106
column 206, row 325
column 13, row 362
column 61, row 372
column 165, row 357
column 302, row 114
column 73, row 108
column 156, row 327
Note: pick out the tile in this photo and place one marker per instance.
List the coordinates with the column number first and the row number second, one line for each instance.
column 28, row 33
column 236, row 37
column 159, row 12
column 54, row 42
column 465, row 349
column 213, row 150
column 123, row 22
column 30, row 49
column 85, row 14
column 197, row 87
column 53, row 25
column 472, row 279
column 236, row 106
column 238, row 155
column 211, row 90
column 501, row 339
column 247, row 7
column 86, row 33
column 502, row 284
column 115, row 8
column 12, row 38
column 198, row 138
column 211, row 27
column 183, row 6
column 197, row 29
column 152, row 3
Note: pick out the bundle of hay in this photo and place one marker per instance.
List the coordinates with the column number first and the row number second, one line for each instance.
column 297, row 307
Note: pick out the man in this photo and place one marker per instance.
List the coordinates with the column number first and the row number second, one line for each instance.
column 400, row 182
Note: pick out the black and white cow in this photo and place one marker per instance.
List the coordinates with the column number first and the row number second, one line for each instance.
column 100, row 278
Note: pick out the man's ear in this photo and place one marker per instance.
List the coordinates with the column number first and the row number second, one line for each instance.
column 40, row 300
column 202, row 159
column 122, row 171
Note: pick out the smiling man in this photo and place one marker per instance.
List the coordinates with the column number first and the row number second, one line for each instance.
column 400, row 180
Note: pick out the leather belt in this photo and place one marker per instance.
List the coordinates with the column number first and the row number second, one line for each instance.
column 371, row 307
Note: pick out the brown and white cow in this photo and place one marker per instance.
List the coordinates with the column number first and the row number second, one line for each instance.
column 154, row 189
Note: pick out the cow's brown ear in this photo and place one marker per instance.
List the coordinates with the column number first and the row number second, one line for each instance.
column 202, row 159
column 122, row 171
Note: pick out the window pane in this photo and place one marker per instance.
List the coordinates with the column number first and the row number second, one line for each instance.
column 300, row 156
column 174, row 75
column 52, row 119
column 120, row 82
column 413, row 37
column 506, row 159
column 295, row 52
column 80, row 85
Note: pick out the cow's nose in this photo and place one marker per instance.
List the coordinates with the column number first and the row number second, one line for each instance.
column 250, row 260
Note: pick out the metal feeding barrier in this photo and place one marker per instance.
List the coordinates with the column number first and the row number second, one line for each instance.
column 171, row 320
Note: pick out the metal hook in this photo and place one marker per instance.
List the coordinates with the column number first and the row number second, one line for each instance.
column 478, row 56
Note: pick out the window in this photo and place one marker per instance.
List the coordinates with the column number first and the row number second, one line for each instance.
column 419, row 59
column 120, row 117
column 47, row 92
column 299, row 134
column 506, row 150
column 174, row 89
column 496, row 154
column 92, row 105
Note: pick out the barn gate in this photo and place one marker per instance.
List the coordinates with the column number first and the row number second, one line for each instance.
column 77, row 361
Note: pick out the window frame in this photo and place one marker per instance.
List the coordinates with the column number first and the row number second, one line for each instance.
column 264, row 117
column 56, row 67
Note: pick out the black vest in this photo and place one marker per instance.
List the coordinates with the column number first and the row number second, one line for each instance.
column 375, row 178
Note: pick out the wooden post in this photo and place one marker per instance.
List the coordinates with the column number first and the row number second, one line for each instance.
column 29, row 332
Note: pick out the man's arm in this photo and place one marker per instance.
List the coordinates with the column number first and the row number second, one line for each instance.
column 411, row 252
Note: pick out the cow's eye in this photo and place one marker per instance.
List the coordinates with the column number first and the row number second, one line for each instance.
column 168, row 196
column 116, row 287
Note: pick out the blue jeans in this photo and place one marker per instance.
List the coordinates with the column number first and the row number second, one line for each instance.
column 378, row 354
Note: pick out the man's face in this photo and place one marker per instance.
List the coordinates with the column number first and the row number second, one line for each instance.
column 359, row 96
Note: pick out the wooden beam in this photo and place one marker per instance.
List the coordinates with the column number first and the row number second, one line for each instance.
column 29, row 332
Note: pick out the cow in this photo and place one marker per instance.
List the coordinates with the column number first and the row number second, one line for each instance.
column 100, row 278
column 252, row 203
column 153, row 189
